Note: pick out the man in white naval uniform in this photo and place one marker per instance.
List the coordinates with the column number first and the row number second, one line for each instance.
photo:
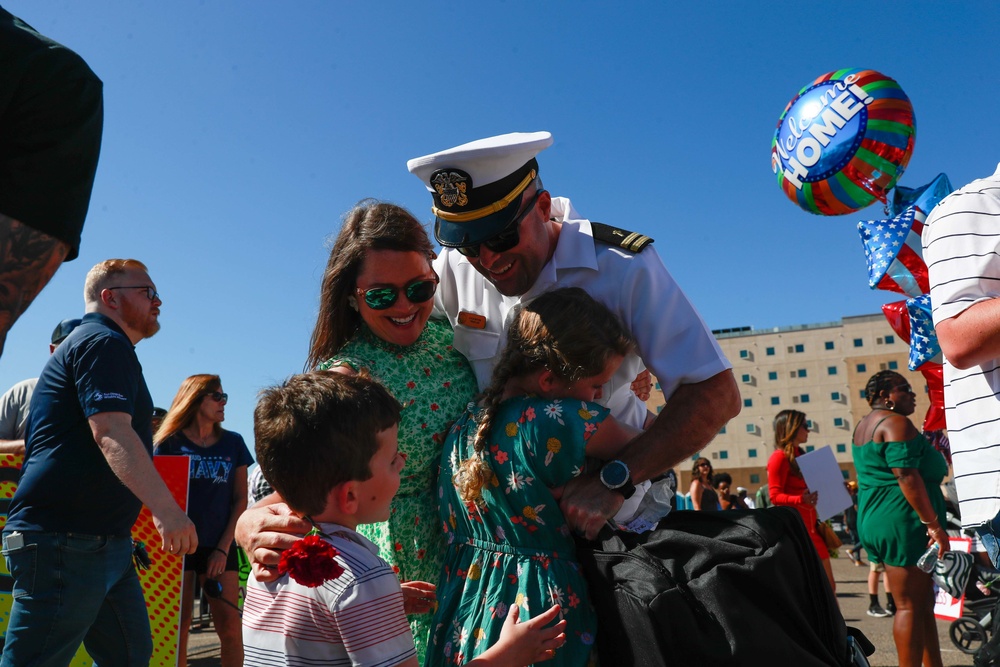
column 506, row 240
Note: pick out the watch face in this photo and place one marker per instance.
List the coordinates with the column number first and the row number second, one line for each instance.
column 614, row 474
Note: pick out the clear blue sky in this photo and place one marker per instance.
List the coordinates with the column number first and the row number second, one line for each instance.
column 238, row 132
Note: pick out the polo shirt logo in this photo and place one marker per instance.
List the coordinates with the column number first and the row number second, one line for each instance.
column 111, row 395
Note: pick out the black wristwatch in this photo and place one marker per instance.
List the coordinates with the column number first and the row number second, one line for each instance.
column 616, row 476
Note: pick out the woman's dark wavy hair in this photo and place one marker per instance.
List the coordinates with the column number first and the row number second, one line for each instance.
column 370, row 225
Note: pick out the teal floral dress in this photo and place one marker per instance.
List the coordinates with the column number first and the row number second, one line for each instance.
column 514, row 549
column 434, row 383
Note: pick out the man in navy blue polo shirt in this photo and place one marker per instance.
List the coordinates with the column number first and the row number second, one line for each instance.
column 86, row 474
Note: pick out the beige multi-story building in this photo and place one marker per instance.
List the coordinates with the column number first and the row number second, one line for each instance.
column 819, row 369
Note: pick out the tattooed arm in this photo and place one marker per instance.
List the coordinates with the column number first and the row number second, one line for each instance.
column 28, row 260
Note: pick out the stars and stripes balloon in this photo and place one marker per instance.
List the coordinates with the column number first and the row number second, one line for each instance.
column 898, row 318
column 926, row 197
column 895, row 254
column 924, row 346
column 843, row 141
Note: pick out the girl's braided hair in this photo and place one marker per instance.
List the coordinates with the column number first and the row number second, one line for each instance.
column 564, row 331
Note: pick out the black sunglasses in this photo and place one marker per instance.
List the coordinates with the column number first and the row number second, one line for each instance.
column 218, row 396
column 509, row 237
column 380, row 298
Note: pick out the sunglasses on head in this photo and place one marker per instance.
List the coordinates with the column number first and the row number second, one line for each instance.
column 509, row 237
column 380, row 298
column 218, row 396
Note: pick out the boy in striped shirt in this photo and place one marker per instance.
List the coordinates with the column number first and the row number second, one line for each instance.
column 327, row 444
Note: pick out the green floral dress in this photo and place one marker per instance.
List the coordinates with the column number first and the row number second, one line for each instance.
column 516, row 548
column 434, row 383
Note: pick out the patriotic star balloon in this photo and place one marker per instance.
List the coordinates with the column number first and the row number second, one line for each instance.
column 926, row 197
column 894, row 253
column 934, row 420
column 924, row 346
column 895, row 313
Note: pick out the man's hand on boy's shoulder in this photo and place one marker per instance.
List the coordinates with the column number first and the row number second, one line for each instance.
column 418, row 597
column 264, row 532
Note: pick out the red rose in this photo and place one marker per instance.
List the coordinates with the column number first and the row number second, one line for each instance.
column 310, row 562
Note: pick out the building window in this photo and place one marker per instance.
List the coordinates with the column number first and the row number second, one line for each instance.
column 831, row 370
column 801, row 372
column 775, row 400
column 747, row 402
column 889, row 340
column 751, row 428
column 744, row 354
column 752, row 453
column 804, row 398
column 723, row 431
column 809, row 448
column 834, row 395
column 862, row 393
column 659, row 408
column 810, row 424
column 893, row 365
column 657, row 385
column 841, row 448
column 861, row 368
column 745, row 378
column 723, row 454
column 839, row 421
column 755, row 479
column 795, row 399
column 769, row 351
column 858, row 342
column 800, row 348
column 828, row 345
column 772, row 375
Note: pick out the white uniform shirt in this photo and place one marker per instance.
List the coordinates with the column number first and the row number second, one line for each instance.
column 961, row 245
column 671, row 337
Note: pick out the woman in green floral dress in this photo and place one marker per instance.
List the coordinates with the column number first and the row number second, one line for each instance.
column 375, row 303
column 508, row 542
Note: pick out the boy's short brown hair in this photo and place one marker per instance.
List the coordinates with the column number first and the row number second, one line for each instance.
column 317, row 430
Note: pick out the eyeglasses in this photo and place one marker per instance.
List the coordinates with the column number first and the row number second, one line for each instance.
column 218, row 396
column 509, row 237
column 380, row 298
column 151, row 292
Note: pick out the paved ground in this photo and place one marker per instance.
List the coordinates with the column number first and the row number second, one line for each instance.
column 852, row 593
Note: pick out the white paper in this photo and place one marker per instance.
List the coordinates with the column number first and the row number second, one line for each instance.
column 821, row 472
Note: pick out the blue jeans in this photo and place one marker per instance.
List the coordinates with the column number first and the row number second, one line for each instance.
column 989, row 533
column 71, row 589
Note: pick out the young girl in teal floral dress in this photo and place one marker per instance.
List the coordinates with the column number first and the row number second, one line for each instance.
column 508, row 542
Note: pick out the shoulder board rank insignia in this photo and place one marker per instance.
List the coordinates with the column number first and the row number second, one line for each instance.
column 622, row 238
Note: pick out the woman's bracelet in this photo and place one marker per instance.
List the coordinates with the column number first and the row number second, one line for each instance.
column 929, row 523
column 224, row 553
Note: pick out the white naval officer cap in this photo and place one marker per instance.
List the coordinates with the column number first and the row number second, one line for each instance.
column 477, row 186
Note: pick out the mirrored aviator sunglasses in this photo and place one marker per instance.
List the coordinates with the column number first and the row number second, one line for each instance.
column 380, row 298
